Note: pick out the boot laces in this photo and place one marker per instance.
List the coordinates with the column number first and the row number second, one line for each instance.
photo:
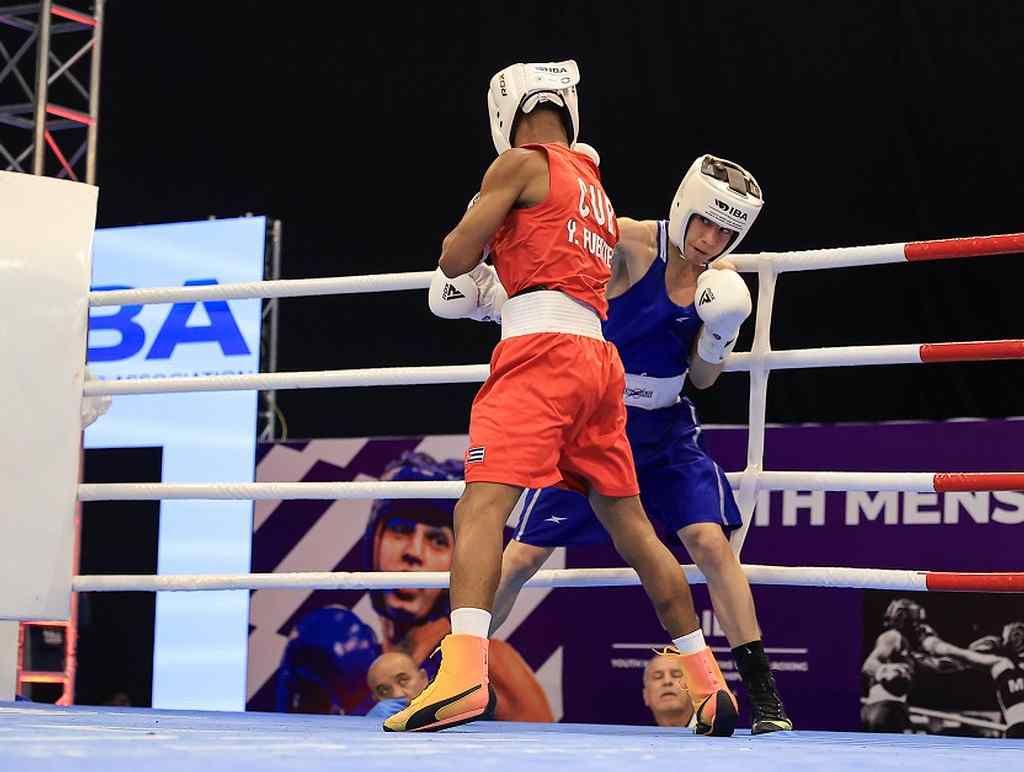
column 764, row 698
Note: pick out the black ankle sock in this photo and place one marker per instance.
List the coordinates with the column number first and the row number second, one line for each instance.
column 751, row 659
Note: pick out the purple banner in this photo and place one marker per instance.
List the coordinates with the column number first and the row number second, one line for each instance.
column 578, row 654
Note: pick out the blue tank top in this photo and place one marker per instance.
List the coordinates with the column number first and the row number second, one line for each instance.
column 653, row 335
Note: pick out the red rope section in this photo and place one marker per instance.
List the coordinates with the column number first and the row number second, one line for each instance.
column 974, row 351
column 947, row 581
column 974, row 246
column 946, row 482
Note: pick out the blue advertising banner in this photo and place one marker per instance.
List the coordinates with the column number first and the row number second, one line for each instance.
column 199, row 652
column 587, row 648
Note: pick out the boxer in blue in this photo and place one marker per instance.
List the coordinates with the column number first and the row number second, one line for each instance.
column 672, row 316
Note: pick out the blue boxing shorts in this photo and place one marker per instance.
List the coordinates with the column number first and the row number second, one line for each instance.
column 680, row 485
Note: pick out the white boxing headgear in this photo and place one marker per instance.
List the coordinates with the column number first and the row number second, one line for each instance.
column 521, row 87
column 718, row 190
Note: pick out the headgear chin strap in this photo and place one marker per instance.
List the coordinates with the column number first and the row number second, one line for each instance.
column 519, row 88
column 720, row 191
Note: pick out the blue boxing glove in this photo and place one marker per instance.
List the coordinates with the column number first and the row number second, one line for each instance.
column 388, row 708
column 324, row 666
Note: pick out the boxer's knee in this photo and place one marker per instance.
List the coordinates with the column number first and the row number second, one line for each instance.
column 485, row 504
column 521, row 561
column 708, row 547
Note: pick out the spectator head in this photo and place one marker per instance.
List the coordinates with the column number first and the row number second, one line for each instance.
column 395, row 675
column 665, row 691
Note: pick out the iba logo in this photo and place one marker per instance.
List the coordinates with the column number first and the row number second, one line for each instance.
column 175, row 330
column 732, row 210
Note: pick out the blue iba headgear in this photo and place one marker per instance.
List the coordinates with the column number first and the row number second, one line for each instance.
column 324, row 666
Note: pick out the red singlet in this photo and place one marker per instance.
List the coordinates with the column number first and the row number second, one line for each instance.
column 565, row 242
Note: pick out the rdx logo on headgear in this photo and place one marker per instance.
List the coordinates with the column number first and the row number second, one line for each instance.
column 730, row 209
column 175, row 330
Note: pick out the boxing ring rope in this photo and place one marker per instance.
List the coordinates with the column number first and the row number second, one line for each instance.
column 842, row 356
column 265, row 290
column 920, row 482
column 804, row 260
column 758, row 362
column 956, row 718
column 789, row 576
column 879, row 254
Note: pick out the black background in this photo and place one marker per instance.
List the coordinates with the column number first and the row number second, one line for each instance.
column 364, row 129
column 115, row 629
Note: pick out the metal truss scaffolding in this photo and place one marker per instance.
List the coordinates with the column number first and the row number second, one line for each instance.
column 49, row 89
column 60, row 98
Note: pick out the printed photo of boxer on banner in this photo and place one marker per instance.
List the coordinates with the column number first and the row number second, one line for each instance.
column 356, row 652
column 943, row 664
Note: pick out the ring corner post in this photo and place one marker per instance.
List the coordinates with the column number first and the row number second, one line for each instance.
column 45, row 262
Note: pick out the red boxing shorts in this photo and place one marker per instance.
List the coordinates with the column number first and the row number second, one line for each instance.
column 551, row 413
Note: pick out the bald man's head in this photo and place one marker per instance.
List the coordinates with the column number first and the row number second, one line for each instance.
column 396, row 675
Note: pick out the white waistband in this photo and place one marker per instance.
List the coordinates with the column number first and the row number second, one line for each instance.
column 652, row 393
column 548, row 311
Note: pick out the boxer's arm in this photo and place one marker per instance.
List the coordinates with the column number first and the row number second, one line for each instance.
column 887, row 643
column 501, row 189
column 475, row 295
column 941, row 648
column 702, row 374
column 636, row 249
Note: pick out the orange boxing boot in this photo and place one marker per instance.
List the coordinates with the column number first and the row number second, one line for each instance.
column 460, row 693
column 713, row 703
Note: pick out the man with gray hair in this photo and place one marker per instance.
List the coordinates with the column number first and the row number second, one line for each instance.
column 665, row 691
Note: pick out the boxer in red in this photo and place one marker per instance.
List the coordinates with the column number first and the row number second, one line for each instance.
column 551, row 412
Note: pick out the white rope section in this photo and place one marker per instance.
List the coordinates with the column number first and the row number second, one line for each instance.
column 921, row 482
column 281, row 288
column 857, row 578
column 838, row 356
column 375, row 376
column 956, row 718
column 810, row 259
column 269, row 491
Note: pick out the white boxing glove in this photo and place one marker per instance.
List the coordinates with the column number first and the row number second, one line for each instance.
column 723, row 303
column 474, row 295
column 93, row 407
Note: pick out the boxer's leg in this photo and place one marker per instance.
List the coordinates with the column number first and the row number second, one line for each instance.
column 519, row 562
